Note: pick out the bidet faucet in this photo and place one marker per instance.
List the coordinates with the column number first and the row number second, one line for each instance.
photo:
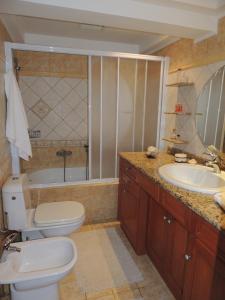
column 10, row 239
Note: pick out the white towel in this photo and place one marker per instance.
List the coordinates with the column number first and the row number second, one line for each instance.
column 16, row 121
column 220, row 199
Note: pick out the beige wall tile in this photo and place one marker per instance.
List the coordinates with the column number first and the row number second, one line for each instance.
column 185, row 53
column 5, row 160
column 45, row 157
column 99, row 200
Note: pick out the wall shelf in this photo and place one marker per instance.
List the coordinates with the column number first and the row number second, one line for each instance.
column 178, row 113
column 180, row 84
column 175, row 141
column 182, row 114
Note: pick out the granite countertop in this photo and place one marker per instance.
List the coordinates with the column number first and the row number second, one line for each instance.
column 202, row 204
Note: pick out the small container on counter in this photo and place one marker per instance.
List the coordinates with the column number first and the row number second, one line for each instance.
column 181, row 157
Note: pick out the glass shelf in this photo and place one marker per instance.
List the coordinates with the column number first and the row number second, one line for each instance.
column 175, row 141
column 180, row 84
column 181, row 113
column 177, row 113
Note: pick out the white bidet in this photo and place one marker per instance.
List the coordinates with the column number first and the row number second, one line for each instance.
column 34, row 272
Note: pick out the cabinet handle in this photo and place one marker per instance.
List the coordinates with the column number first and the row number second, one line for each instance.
column 126, row 180
column 169, row 221
column 128, row 168
column 165, row 218
column 187, row 257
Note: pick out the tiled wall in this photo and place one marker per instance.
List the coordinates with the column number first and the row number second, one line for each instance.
column 99, row 199
column 185, row 53
column 40, row 64
column 188, row 97
column 44, row 156
column 5, row 162
column 56, row 106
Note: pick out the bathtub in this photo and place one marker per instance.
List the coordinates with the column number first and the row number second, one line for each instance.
column 55, row 177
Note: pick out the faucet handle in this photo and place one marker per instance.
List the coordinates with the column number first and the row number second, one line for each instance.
column 13, row 235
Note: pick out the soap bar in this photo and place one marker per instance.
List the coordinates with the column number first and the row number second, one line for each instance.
column 181, row 157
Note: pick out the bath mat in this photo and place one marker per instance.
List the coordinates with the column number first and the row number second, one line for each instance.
column 103, row 261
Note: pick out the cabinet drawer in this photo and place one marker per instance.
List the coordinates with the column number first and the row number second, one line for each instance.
column 128, row 169
column 177, row 210
column 130, row 185
column 148, row 185
column 205, row 232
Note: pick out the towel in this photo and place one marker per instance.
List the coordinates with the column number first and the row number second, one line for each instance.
column 220, row 199
column 16, row 121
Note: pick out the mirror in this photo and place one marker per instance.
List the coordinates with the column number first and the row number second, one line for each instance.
column 210, row 116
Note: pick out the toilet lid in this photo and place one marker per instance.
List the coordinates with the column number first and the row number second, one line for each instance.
column 56, row 213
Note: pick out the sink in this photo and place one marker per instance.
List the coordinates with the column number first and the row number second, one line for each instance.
column 196, row 178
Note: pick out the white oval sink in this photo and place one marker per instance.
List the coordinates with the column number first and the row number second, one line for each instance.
column 195, row 178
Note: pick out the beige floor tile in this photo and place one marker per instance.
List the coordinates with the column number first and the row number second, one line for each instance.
column 71, row 277
column 85, row 228
column 127, row 287
column 70, row 291
column 127, row 294
column 106, row 297
column 152, row 287
column 100, row 294
column 156, row 293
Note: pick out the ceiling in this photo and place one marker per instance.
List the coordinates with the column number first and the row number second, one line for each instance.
column 118, row 25
column 26, row 29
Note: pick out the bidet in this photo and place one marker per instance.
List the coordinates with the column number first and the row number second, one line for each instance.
column 34, row 272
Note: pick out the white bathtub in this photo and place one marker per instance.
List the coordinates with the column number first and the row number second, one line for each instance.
column 55, row 177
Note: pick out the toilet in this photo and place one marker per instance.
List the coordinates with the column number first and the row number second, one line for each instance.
column 47, row 220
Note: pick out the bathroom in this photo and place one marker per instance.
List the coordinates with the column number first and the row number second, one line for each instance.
column 98, row 88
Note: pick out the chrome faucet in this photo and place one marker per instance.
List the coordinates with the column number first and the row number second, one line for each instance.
column 10, row 239
column 215, row 159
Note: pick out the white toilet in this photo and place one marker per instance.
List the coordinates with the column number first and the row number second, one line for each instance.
column 47, row 220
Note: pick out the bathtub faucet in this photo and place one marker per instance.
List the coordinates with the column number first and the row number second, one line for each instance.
column 64, row 153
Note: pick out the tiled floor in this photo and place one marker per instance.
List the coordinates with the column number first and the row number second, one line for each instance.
column 151, row 288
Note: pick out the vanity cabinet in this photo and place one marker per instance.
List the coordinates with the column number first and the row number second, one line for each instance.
column 181, row 244
column 166, row 245
column 132, row 208
column 199, row 271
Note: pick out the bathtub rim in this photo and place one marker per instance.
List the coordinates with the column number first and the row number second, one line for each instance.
column 70, row 183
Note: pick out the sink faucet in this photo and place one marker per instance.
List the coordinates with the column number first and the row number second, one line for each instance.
column 216, row 168
column 215, row 159
column 10, row 239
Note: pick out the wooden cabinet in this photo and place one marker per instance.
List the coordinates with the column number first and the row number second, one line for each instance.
column 156, row 234
column 181, row 244
column 166, row 246
column 132, row 212
column 199, row 273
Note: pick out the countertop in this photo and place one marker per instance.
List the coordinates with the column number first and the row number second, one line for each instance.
column 202, row 204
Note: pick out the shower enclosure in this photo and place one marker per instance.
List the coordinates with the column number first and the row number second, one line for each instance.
column 120, row 110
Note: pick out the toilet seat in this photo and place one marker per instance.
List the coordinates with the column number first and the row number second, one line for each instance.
column 58, row 213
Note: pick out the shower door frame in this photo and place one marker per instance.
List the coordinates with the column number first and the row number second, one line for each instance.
column 9, row 47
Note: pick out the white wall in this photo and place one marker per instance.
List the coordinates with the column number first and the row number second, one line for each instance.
column 44, row 40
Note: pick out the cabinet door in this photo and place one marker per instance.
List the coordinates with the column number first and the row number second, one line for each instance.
column 156, row 234
column 199, row 271
column 177, row 237
column 129, row 215
column 218, row 287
